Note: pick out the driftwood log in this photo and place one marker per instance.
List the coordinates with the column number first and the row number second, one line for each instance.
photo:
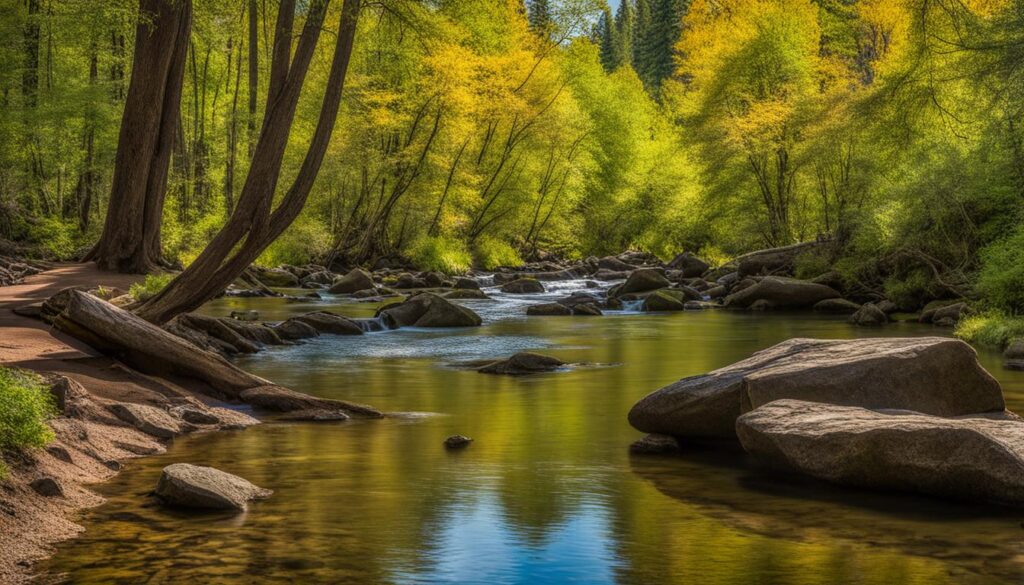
column 150, row 349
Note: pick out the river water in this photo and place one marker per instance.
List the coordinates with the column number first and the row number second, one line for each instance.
column 547, row 493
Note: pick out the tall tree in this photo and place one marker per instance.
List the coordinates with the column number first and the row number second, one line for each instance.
column 624, row 25
column 254, row 72
column 131, row 234
column 254, row 224
column 539, row 16
column 641, row 35
column 608, row 37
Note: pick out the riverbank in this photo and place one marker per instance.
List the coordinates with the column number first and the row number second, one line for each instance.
column 45, row 491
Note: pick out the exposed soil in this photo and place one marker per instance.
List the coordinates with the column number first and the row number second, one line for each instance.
column 91, row 443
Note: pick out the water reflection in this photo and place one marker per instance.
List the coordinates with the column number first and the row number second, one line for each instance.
column 547, row 493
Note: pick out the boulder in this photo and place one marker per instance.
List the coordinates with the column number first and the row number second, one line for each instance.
column 689, row 265
column 406, row 281
column 606, row 275
column 654, row 444
column 950, row 315
column 932, row 375
column 523, row 363
column 523, row 286
column 276, row 277
column 47, row 487
column 464, row 283
column 643, row 280
column 317, row 279
column 589, row 309
column 294, row 329
column 428, row 310
column 549, row 310
column 314, row 415
column 148, row 419
column 457, row 442
column 662, row 300
column 433, row 279
column 869, row 314
column 1013, row 355
column 836, row 307
column 781, row 293
column 929, row 310
column 327, row 322
column 716, row 292
column 192, row 486
column 974, row 459
column 887, row 306
column 613, row 264
column 467, row 293
column 356, row 280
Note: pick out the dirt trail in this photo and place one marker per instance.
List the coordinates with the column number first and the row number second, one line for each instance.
column 92, row 445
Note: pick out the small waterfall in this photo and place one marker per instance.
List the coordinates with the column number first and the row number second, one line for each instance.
column 633, row 306
column 372, row 324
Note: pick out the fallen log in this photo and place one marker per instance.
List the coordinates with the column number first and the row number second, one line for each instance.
column 141, row 344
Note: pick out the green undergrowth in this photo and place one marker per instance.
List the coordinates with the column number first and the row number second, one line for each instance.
column 149, row 287
column 993, row 329
column 25, row 406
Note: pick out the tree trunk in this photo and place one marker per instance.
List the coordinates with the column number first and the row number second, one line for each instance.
column 131, row 235
column 253, row 226
column 254, row 72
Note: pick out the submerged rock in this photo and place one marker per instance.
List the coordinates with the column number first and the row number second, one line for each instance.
column 295, row 329
column 654, row 444
column 457, row 442
column 428, row 310
column 327, row 322
column 967, row 458
column 282, row 399
column 932, row 375
column 549, row 310
column 869, row 314
column 523, row 363
column 466, row 293
column 663, row 300
column 836, row 307
column 192, row 486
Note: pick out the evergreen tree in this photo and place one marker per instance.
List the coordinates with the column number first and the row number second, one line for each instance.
column 659, row 24
column 624, row 23
column 610, row 54
column 641, row 36
column 539, row 15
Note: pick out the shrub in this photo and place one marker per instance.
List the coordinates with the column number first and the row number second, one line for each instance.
column 303, row 242
column 25, row 405
column 59, row 239
column 912, row 291
column 993, row 329
column 811, row 264
column 153, row 284
column 491, row 253
column 1001, row 280
column 441, row 254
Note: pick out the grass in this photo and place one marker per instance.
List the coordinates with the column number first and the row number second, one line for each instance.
column 148, row 288
column 993, row 329
column 25, row 406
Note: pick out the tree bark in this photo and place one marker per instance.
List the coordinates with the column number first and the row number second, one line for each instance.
column 253, row 225
column 254, row 72
column 131, row 236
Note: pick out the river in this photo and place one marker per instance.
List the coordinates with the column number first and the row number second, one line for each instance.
column 547, row 492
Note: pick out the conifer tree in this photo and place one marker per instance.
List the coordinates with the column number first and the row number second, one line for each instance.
column 624, row 23
column 610, row 54
column 539, row 16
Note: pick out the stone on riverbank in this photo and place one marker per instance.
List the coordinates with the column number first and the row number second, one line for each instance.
column 192, row 486
column 1013, row 355
column 643, row 280
column 663, row 300
column 549, row 310
column 932, row 375
column 690, row 265
column 869, row 314
column 428, row 310
column 654, row 444
column 523, row 286
column 282, row 399
column 295, row 329
column 836, row 307
column 781, row 293
column 148, row 419
column 966, row 458
column 327, row 322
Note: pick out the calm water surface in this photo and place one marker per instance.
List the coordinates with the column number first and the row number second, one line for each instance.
column 547, row 493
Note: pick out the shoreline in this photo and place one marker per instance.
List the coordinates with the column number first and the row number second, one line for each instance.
column 91, row 444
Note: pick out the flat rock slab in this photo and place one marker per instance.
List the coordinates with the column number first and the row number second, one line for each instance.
column 280, row 399
column 932, row 375
column 523, row 363
column 193, row 486
column 976, row 459
column 148, row 419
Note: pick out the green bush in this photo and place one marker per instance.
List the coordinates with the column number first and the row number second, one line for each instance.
column 58, row 238
column 1001, row 280
column 994, row 329
column 305, row 241
column 441, row 254
column 911, row 291
column 491, row 253
column 153, row 284
column 25, row 406
column 811, row 265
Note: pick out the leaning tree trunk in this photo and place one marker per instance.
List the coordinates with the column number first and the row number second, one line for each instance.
column 254, row 224
column 131, row 235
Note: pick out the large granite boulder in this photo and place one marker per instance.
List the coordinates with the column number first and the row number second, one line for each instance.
column 428, row 310
column 966, row 458
column 781, row 293
column 613, row 264
column 193, row 486
column 643, row 280
column 932, row 375
column 869, row 314
column 356, row 280
column 663, row 300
